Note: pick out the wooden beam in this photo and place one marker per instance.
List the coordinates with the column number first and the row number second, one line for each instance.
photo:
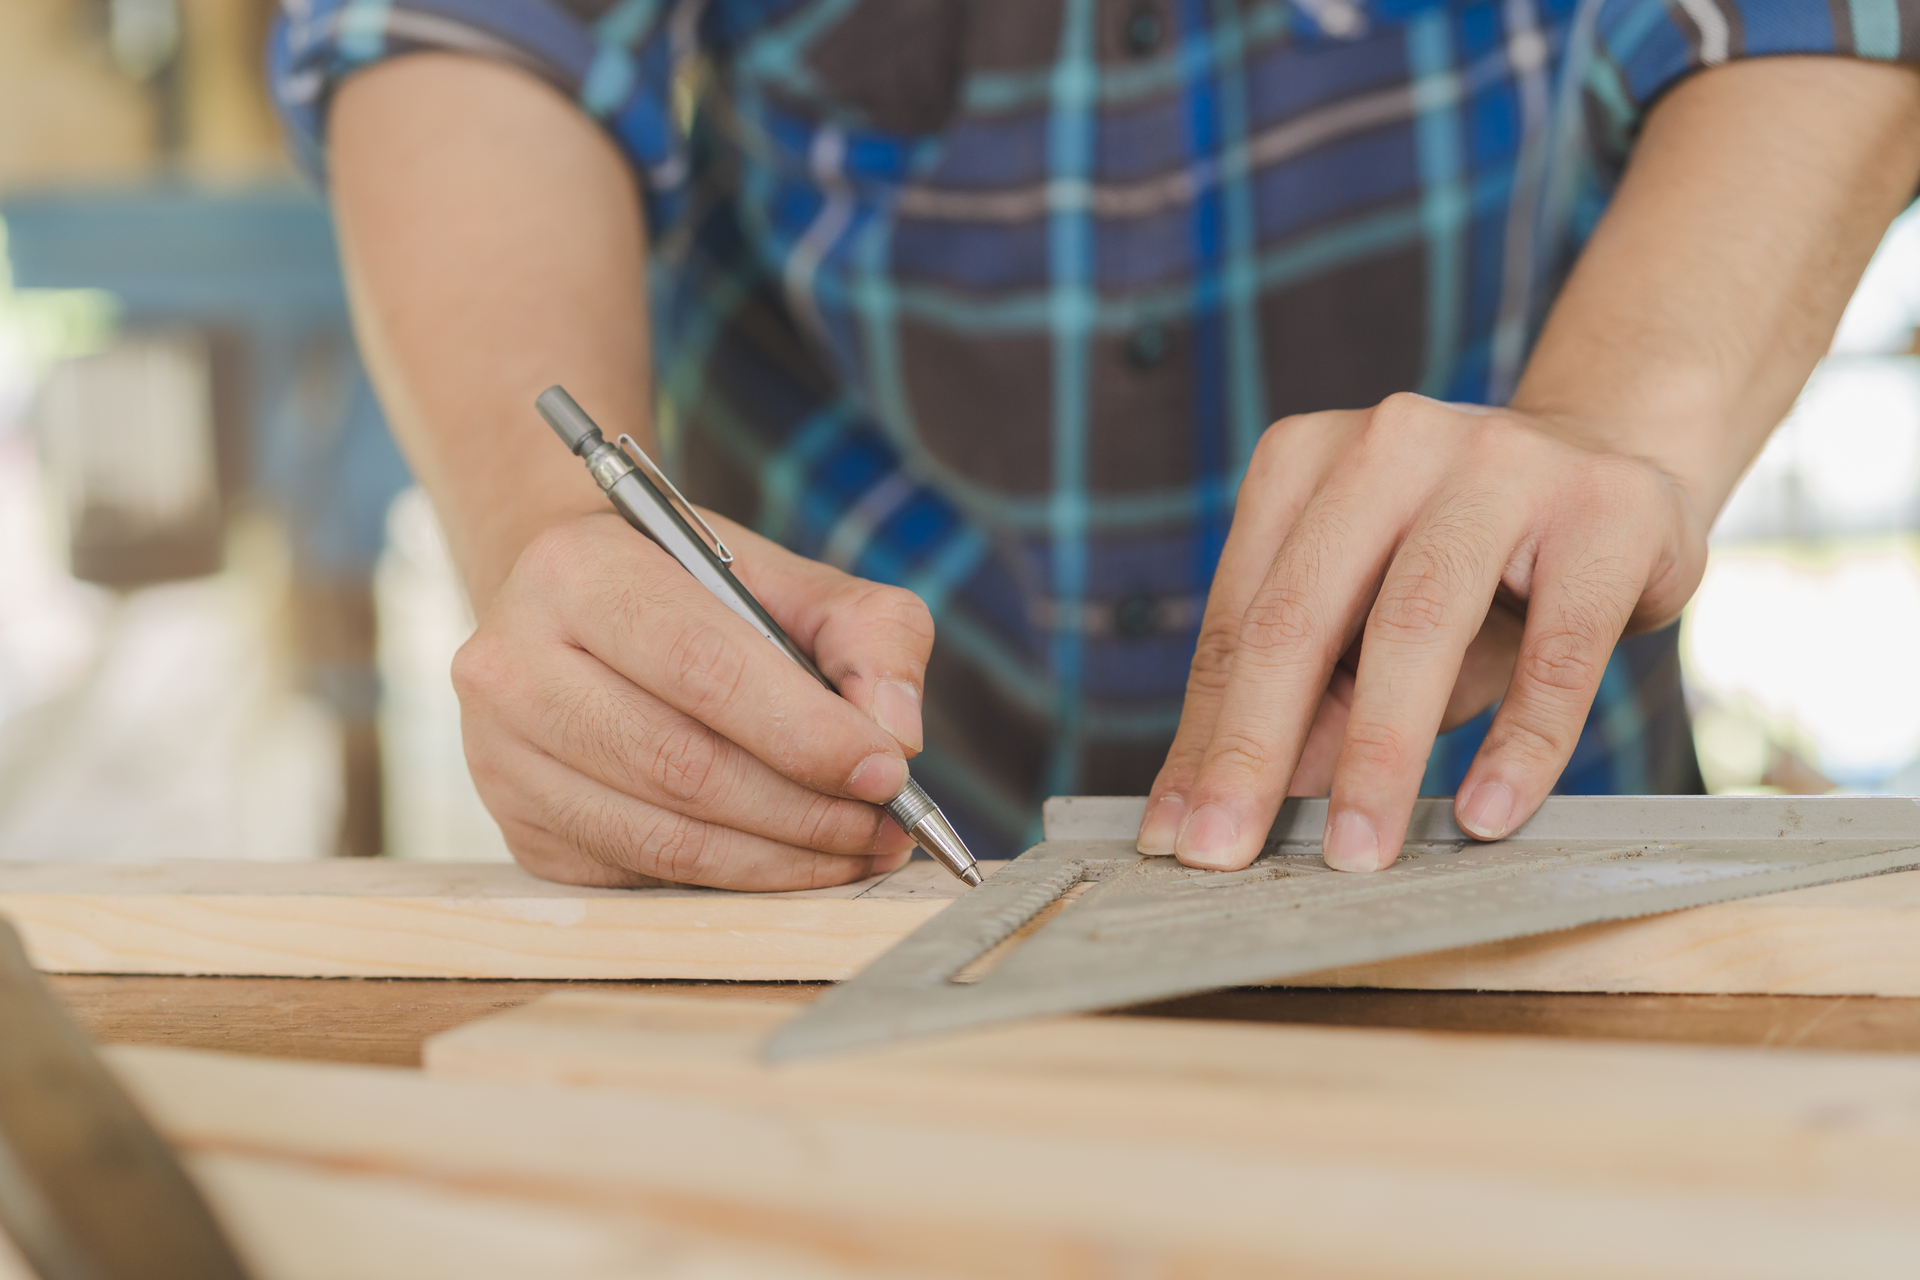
column 1103, row 1148
column 371, row 918
column 1859, row 937
column 291, row 1220
column 1613, row 1112
column 354, row 918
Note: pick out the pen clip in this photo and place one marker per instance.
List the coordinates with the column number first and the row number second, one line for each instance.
column 631, row 447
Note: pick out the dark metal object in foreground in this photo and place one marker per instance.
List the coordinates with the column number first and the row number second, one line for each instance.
column 88, row 1190
column 1150, row 928
column 635, row 496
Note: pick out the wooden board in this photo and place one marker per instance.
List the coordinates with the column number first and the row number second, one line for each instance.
column 1859, row 937
column 1110, row 1148
column 351, row 918
column 384, row 1021
column 291, row 1220
column 370, row 918
column 1606, row 1111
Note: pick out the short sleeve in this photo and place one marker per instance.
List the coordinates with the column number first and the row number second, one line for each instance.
column 1642, row 48
column 616, row 58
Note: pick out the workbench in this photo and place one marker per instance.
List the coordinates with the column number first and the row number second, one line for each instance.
column 425, row 1071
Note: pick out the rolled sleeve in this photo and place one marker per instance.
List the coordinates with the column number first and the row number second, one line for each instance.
column 616, row 60
column 1643, row 48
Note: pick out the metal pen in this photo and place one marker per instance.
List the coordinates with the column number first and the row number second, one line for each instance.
column 628, row 482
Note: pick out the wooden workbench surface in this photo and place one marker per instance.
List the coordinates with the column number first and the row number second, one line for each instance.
column 384, row 1021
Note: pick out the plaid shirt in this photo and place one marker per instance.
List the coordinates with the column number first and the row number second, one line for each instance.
column 992, row 298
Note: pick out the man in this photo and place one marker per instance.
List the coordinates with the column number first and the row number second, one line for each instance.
column 994, row 302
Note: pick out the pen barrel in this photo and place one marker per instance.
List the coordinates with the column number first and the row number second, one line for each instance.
column 921, row 818
column 911, row 806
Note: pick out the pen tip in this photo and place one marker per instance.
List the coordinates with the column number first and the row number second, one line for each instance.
column 971, row 875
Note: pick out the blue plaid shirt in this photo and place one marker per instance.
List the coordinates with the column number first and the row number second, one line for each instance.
column 992, row 298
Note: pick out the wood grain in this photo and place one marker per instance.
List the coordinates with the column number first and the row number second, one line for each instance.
column 1742, row 1116
column 1860, row 937
column 449, row 920
column 1102, row 1148
column 378, row 1021
column 367, row 918
column 296, row 1221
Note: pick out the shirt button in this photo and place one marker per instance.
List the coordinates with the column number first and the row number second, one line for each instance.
column 1146, row 347
column 1136, row 616
column 1144, row 29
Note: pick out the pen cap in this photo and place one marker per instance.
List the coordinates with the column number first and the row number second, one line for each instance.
column 568, row 420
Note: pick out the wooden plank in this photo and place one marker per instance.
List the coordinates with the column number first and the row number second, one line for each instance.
column 298, row 1221
column 352, row 918
column 295, row 1221
column 1107, row 1147
column 1859, row 937
column 379, row 1021
column 368, row 918
column 1613, row 1111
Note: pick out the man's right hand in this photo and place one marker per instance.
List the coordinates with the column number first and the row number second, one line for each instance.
column 625, row 728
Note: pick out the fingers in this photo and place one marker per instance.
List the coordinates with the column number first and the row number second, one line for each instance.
column 626, row 739
column 563, row 826
column 622, row 723
column 1286, row 468
column 623, row 600
column 870, row 639
column 1431, row 605
column 1292, row 633
column 1579, row 609
column 1428, row 511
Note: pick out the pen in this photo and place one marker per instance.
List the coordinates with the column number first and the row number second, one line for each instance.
column 628, row 485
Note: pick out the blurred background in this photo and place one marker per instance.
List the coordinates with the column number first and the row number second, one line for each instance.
column 225, row 622
column 226, row 618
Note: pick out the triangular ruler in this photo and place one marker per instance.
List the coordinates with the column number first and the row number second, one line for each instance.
column 1134, row 929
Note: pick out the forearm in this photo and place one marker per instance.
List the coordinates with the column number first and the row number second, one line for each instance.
column 493, row 244
column 1754, row 199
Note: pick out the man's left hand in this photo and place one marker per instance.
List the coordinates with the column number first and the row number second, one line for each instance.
column 1471, row 553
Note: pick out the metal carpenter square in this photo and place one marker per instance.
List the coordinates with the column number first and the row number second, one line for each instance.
column 1150, row 928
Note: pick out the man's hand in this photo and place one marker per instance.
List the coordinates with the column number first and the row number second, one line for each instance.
column 1399, row 527
column 626, row 728
column 622, row 725
column 1392, row 572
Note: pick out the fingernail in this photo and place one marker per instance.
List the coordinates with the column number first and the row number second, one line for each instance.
column 878, row 779
column 1161, row 826
column 1487, row 811
column 1209, row 839
column 896, row 708
column 1351, row 843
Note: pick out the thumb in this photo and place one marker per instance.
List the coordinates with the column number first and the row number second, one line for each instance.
column 874, row 645
column 871, row 640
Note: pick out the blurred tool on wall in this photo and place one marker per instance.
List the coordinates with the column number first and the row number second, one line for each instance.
column 208, row 454
column 1799, row 647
